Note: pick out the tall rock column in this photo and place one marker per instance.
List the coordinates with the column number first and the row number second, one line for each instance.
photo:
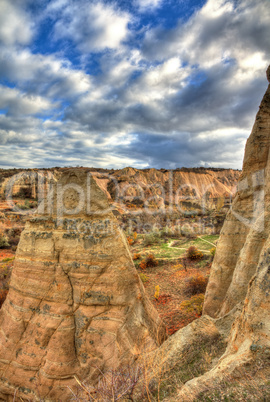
column 246, row 228
column 76, row 305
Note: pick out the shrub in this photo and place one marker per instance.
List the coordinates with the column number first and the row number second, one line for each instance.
column 157, row 290
column 194, row 304
column 177, row 267
column 24, row 206
column 130, row 241
column 114, row 385
column 166, row 232
column 5, row 273
column 213, row 251
column 143, row 277
column 194, row 254
column 3, row 241
column 149, row 261
column 151, row 238
column 142, row 264
column 196, row 285
column 3, row 295
column 136, row 256
column 14, row 236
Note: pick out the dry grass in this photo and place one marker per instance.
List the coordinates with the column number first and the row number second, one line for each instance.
column 247, row 384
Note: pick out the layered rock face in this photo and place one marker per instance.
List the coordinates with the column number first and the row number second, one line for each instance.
column 76, row 305
column 246, row 229
column 240, row 276
column 133, row 182
column 237, row 304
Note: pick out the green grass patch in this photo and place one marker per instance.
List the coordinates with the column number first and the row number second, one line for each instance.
column 8, row 259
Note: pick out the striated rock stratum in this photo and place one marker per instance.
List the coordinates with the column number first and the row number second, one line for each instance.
column 237, row 303
column 244, row 236
column 76, row 305
column 186, row 182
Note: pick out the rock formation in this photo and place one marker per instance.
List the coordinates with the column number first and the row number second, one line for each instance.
column 76, row 305
column 238, row 294
column 133, row 182
column 246, row 229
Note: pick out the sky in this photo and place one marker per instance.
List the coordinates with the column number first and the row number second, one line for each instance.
column 142, row 83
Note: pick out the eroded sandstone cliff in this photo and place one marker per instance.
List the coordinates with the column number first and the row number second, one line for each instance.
column 246, row 229
column 237, row 304
column 76, row 305
column 195, row 182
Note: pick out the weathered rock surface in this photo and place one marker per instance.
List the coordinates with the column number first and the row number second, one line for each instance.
column 76, row 305
column 238, row 293
column 246, row 228
column 193, row 182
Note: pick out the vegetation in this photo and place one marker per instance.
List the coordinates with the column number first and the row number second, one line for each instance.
column 194, row 254
column 157, row 292
column 194, row 304
column 3, row 241
column 213, row 251
column 194, row 363
column 196, row 285
column 151, row 238
column 114, row 385
column 136, row 256
column 149, row 261
column 144, row 277
column 5, row 273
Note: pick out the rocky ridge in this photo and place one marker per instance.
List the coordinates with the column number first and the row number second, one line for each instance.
column 130, row 182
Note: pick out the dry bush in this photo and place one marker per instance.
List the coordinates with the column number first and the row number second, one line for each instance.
column 149, row 261
column 136, row 256
column 3, row 295
column 194, row 254
column 142, row 264
column 157, row 292
column 246, row 384
column 5, row 273
column 196, row 284
column 130, row 240
column 194, row 304
column 144, row 278
column 3, row 241
column 114, row 385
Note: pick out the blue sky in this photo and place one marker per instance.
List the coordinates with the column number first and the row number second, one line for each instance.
column 143, row 83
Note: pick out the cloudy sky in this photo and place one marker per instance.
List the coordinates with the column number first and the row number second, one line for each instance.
column 143, row 83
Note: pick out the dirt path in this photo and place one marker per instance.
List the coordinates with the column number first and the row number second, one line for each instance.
column 206, row 241
column 177, row 248
column 185, row 248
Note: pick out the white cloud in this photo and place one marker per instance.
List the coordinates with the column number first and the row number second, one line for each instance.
column 43, row 74
column 15, row 24
column 18, row 103
column 147, row 5
column 92, row 26
column 187, row 96
column 222, row 30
